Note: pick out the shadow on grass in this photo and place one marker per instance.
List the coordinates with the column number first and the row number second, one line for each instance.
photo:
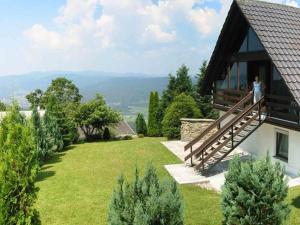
column 43, row 175
column 296, row 202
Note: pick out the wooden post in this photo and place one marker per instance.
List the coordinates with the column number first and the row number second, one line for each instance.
column 191, row 156
column 259, row 113
column 238, row 75
column 232, row 137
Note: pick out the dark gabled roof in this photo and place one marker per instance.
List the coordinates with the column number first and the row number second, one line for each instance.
column 122, row 128
column 278, row 28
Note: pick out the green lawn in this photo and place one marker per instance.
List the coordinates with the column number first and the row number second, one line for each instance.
column 76, row 185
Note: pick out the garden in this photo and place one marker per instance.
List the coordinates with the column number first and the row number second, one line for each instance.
column 77, row 190
column 49, row 174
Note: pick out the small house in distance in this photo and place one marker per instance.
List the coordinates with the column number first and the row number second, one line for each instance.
column 257, row 39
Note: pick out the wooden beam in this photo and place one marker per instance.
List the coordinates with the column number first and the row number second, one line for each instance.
column 250, row 56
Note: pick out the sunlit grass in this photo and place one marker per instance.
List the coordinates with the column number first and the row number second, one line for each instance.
column 76, row 185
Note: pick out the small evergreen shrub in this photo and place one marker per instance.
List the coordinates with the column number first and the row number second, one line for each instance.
column 140, row 124
column 106, row 134
column 183, row 106
column 254, row 193
column 146, row 201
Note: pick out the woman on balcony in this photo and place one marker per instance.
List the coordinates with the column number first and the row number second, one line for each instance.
column 257, row 90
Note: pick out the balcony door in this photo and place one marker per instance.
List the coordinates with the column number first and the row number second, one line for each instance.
column 262, row 70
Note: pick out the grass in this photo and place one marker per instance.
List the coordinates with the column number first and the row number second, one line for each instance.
column 76, row 185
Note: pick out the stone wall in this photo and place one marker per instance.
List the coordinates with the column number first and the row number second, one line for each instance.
column 191, row 128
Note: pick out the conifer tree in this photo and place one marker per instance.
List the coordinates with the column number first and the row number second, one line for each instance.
column 178, row 84
column 38, row 134
column 146, row 201
column 204, row 101
column 153, row 129
column 140, row 124
column 18, row 170
column 255, row 193
column 52, row 132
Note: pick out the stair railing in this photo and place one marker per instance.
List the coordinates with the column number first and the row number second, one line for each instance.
column 217, row 124
column 229, row 128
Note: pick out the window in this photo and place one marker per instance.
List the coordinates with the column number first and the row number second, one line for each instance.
column 282, row 144
column 233, row 77
column 251, row 42
column 243, row 76
column 244, row 46
column 254, row 43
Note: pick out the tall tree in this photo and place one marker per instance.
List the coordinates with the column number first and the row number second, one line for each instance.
column 140, row 124
column 55, row 127
column 35, row 98
column 204, row 101
column 95, row 115
column 64, row 90
column 2, row 107
column 18, row 170
column 38, row 134
column 153, row 127
column 67, row 100
column 254, row 193
column 178, row 84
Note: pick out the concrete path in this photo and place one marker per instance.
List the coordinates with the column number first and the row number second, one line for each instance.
column 294, row 182
column 185, row 174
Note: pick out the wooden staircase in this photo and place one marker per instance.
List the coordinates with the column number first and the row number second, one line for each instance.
column 231, row 130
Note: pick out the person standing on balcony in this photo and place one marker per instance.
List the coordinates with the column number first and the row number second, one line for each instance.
column 257, row 90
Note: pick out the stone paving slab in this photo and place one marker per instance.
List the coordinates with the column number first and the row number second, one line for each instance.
column 185, row 174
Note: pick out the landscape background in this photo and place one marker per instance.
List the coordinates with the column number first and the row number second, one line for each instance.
column 127, row 92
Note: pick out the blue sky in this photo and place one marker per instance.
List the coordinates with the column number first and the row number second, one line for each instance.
column 149, row 36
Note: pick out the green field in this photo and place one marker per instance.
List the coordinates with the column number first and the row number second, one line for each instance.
column 76, row 185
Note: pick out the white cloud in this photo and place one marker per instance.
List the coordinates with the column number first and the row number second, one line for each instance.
column 127, row 34
column 78, row 27
column 208, row 20
column 292, row 3
column 155, row 32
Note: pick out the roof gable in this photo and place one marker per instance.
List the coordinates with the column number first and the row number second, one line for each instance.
column 277, row 27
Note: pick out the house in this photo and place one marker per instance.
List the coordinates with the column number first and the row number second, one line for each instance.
column 25, row 113
column 257, row 39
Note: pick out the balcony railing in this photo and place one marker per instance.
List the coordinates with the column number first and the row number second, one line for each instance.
column 277, row 108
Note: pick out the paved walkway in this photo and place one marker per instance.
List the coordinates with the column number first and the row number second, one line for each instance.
column 185, row 174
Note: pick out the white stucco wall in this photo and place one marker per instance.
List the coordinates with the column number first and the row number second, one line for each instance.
column 27, row 114
column 264, row 140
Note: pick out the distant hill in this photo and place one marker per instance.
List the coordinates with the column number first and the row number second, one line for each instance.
column 126, row 92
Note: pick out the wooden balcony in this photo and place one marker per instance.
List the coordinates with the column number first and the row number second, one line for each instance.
column 280, row 110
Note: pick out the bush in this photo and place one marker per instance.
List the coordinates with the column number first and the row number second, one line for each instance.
column 140, row 124
column 146, row 201
column 127, row 137
column 18, row 170
column 183, row 106
column 106, row 134
column 141, row 136
column 93, row 137
column 254, row 193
